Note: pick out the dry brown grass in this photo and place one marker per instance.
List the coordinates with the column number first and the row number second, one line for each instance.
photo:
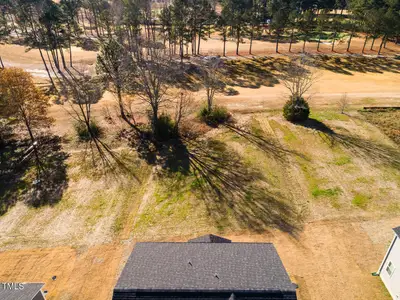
column 387, row 121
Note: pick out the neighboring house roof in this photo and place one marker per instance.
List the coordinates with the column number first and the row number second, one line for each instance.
column 397, row 231
column 209, row 238
column 29, row 291
column 204, row 270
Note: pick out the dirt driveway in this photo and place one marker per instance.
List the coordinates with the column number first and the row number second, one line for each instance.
column 328, row 260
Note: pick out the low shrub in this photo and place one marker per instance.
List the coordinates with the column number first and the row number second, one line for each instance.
column 82, row 131
column 296, row 109
column 166, row 128
column 231, row 92
column 217, row 115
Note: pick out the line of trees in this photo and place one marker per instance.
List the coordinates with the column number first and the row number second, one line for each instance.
column 304, row 20
column 52, row 27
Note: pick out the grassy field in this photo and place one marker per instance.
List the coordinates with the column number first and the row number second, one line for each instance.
column 259, row 172
column 271, row 173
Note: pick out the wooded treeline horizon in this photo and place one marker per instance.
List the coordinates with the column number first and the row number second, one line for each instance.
column 181, row 25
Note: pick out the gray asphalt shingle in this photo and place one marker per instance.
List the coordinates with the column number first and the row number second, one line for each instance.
column 204, row 267
column 397, row 231
column 209, row 238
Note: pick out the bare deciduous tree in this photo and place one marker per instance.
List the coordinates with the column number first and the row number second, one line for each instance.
column 299, row 77
column 343, row 102
column 116, row 64
column 211, row 77
column 151, row 78
column 183, row 107
column 82, row 93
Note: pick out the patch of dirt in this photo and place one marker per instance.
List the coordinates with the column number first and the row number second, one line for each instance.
column 81, row 274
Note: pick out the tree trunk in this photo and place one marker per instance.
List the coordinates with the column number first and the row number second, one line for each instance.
column 70, row 49
column 209, row 99
column 154, row 119
column 277, row 43
column 349, row 42
column 365, row 43
column 237, row 40
column 251, row 39
column 122, row 111
column 13, row 25
column 304, row 46
column 198, row 44
column 55, row 59
column 181, row 49
column 319, row 42
column 35, row 151
column 90, row 22
column 224, row 50
column 384, row 44
column 47, row 69
column 51, row 64
column 1, row 63
column 373, row 42
column 63, row 59
column 96, row 27
column 291, row 40
column 194, row 43
column 333, row 42
column 380, row 47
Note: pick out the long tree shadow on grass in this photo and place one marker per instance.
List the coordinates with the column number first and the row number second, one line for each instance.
column 355, row 63
column 370, row 151
column 52, row 180
column 269, row 146
column 18, row 173
column 11, row 172
column 234, row 193
column 172, row 155
column 253, row 73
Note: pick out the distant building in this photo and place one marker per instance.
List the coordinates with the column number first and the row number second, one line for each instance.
column 389, row 271
column 208, row 267
column 21, row 291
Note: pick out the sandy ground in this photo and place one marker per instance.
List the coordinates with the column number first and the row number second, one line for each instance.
column 369, row 88
column 214, row 46
column 328, row 260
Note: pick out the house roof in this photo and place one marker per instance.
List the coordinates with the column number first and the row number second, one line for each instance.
column 209, row 238
column 204, row 267
column 29, row 291
column 397, row 231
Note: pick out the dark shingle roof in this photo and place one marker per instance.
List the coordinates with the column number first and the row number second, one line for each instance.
column 397, row 231
column 209, row 238
column 29, row 291
column 204, row 267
